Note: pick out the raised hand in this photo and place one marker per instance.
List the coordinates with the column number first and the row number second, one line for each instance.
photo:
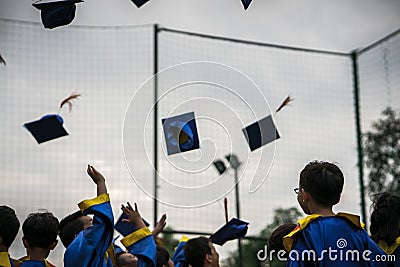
column 133, row 216
column 160, row 225
column 98, row 179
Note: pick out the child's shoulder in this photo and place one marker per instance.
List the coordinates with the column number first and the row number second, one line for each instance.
column 318, row 225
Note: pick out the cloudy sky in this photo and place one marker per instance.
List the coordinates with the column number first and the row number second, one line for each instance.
column 110, row 66
column 331, row 25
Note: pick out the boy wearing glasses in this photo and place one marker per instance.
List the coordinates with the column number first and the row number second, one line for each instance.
column 325, row 238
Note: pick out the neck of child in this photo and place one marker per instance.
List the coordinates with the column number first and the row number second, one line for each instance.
column 324, row 211
column 38, row 254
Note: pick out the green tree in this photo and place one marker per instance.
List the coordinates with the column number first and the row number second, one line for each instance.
column 382, row 153
column 251, row 247
column 168, row 241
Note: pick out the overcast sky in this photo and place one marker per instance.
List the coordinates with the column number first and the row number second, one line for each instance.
column 340, row 25
column 43, row 66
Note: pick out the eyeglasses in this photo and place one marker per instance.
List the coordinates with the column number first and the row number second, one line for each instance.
column 296, row 190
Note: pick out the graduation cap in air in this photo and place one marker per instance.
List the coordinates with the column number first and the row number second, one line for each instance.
column 233, row 229
column 140, row 3
column 47, row 128
column 246, row 3
column 263, row 131
column 50, row 126
column 220, row 166
column 57, row 13
column 126, row 228
column 180, row 133
column 2, row 60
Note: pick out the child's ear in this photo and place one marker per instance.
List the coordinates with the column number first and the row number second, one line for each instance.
column 305, row 195
column 52, row 246
column 208, row 258
column 25, row 242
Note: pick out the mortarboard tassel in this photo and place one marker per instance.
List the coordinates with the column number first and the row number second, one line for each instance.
column 226, row 209
column 2, row 61
column 285, row 102
column 69, row 100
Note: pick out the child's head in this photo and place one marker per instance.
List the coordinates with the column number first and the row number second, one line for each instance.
column 200, row 252
column 385, row 218
column 323, row 182
column 126, row 259
column 163, row 258
column 9, row 226
column 40, row 230
column 71, row 225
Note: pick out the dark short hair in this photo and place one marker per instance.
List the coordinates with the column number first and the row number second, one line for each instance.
column 9, row 225
column 162, row 256
column 385, row 218
column 196, row 250
column 275, row 241
column 70, row 226
column 41, row 229
column 323, row 181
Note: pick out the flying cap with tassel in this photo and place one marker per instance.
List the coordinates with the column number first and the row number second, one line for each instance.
column 50, row 126
column 231, row 230
column 2, row 61
column 264, row 131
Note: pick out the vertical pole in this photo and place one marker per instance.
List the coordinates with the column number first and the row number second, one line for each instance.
column 155, row 70
column 238, row 214
column 356, row 88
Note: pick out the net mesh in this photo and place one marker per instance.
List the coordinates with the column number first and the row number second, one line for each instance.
column 228, row 85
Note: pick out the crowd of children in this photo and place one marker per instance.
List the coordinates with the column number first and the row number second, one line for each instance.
column 323, row 238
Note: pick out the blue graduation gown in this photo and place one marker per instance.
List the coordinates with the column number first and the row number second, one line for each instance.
column 392, row 250
column 141, row 244
column 32, row 263
column 331, row 241
column 89, row 248
column 179, row 256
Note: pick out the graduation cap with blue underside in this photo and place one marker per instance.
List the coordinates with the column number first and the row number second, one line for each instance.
column 50, row 126
column 126, row 228
column 232, row 229
column 180, row 133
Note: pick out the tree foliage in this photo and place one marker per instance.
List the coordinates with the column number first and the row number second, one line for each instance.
column 168, row 241
column 251, row 247
column 382, row 153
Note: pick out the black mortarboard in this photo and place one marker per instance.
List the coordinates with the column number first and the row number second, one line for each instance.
column 261, row 133
column 181, row 133
column 126, row 228
column 2, row 60
column 49, row 127
column 246, row 3
column 140, row 3
column 57, row 13
column 220, row 166
column 233, row 229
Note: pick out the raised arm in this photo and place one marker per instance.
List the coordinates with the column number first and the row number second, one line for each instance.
column 133, row 216
column 98, row 179
column 160, row 226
